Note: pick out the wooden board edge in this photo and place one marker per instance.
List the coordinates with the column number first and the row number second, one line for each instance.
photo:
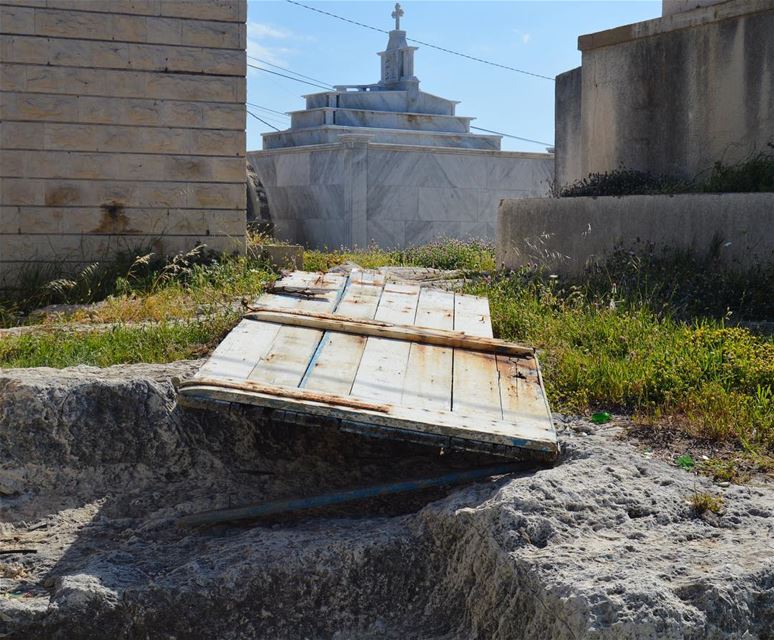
column 546, row 445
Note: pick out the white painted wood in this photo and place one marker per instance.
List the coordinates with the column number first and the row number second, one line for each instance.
column 471, row 315
column 383, row 365
column 476, row 380
column 428, row 381
column 286, row 360
column 471, row 396
column 339, row 358
column 236, row 356
column 521, row 391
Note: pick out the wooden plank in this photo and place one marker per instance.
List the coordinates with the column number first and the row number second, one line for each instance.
column 428, row 383
column 527, row 434
column 471, row 315
column 336, row 365
column 287, row 359
column 383, row 365
column 521, row 391
column 379, row 329
column 240, row 351
column 476, row 379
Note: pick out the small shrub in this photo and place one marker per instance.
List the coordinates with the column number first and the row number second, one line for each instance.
column 703, row 502
column 622, row 182
column 685, row 461
column 756, row 174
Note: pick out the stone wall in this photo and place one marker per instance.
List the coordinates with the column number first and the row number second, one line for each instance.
column 122, row 125
column 567, row 234
column 672, row 95
column 356, row 192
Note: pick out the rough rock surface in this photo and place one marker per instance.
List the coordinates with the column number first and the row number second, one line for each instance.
column 95, row 465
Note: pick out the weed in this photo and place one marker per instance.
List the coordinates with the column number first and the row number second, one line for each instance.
column 445, row 253
column 685, row 461
column 703, row 502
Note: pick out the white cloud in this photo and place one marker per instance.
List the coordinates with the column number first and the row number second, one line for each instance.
column 525, row 38
column 263, row 42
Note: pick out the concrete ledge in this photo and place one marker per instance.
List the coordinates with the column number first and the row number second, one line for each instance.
column 674, row 22
column 567, row 234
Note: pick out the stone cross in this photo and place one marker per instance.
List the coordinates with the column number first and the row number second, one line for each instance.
column 397, row 15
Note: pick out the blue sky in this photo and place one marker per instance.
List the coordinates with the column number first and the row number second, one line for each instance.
column 539, row 36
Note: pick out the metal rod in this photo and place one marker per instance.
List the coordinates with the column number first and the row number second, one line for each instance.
column 340, row 497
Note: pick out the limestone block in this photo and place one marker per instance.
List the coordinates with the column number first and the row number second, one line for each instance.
column 27, row 106
column 13, row 77
column 12, row 164
column 226, row 10
column 137, row 7
column 164, row 30
column 206, row 142
column 125, row 28
column 21, row 135
column 9, row 222
column 192, row 87
column 184, row 59
column 66, row 81
column 199, row 169
column 161, row 194
column 119, row 55
column 223, row 116
column 181, row 114
column 17, row 191
column 217, row 196
column 114, row 220
column 143, row 112
column 17, row 19
column 211, row 34
column 72, row 24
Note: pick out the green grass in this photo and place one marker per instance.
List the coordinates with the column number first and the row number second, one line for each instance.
column 156, row 343
column 473, row 256
column 714, row 381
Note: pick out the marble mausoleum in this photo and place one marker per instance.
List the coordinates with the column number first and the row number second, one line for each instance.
column 389, row 164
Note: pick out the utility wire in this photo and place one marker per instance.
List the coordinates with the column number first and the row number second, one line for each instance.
column 258, row 106
column 508, row 135
column 319, row 86
column 262, row 120
column 301, row 75
column 424, row 44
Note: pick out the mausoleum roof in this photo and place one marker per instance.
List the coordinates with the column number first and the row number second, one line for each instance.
column 393, row 110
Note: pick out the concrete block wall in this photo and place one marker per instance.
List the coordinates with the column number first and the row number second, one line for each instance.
column 122, row 125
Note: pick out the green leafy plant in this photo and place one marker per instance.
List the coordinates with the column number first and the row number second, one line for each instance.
column 685, row 461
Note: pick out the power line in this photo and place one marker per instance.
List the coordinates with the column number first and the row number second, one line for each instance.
column 424, row 44
column 258, row 106
column 319, row 86
column 262, row 120
column 276, row 66
column 508, row 135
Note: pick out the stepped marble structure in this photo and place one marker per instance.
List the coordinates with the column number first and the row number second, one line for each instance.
column 389, row 164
